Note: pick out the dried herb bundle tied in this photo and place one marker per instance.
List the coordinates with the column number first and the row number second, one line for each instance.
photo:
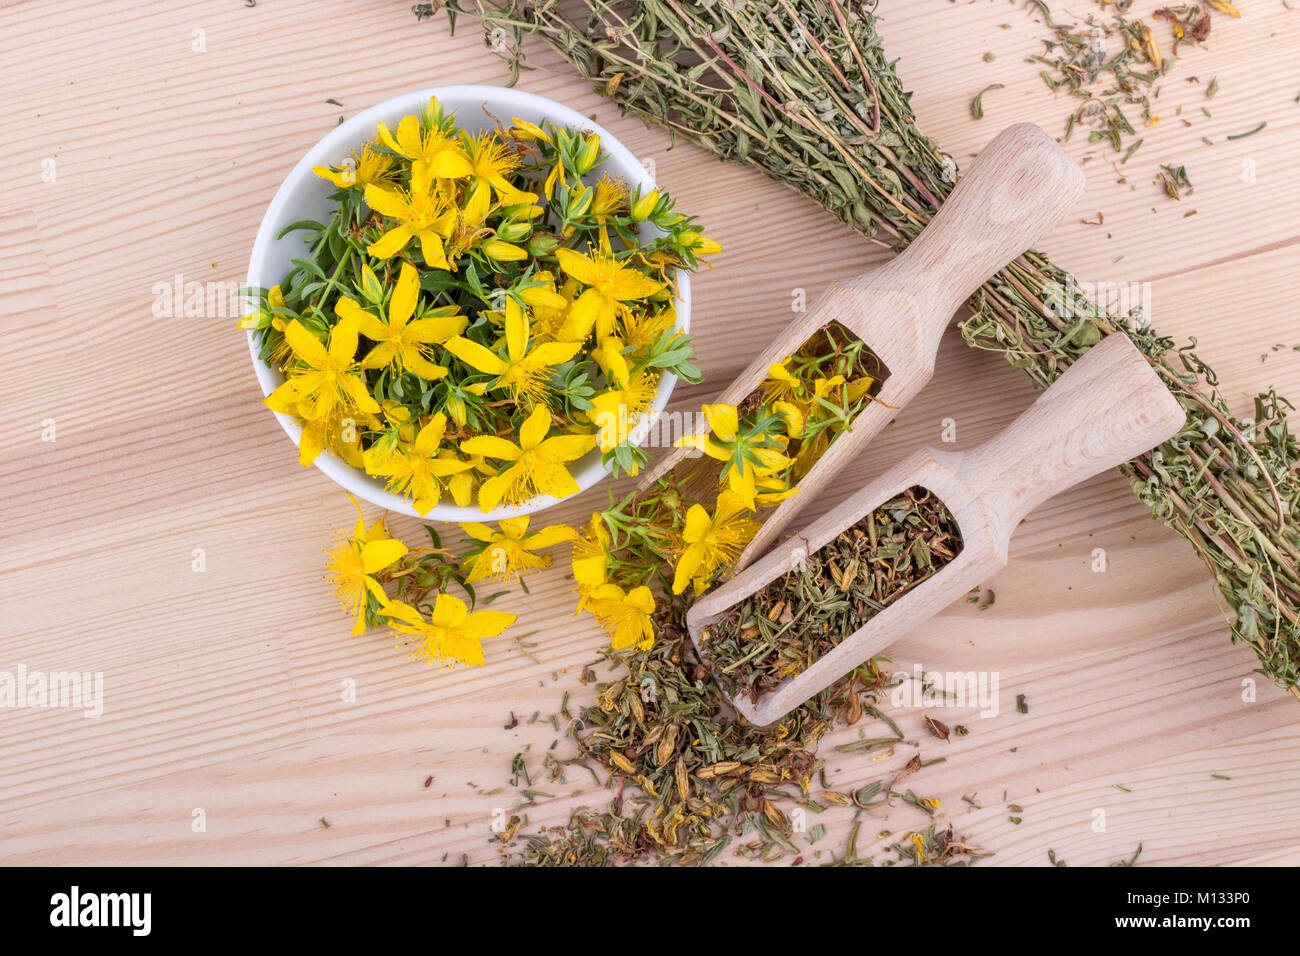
column 787, row 626
column 802, row 90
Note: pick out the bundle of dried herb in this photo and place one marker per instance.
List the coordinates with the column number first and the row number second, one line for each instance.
column 786, row 627
column 802, row 90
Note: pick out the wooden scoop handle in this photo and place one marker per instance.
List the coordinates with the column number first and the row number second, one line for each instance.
column 1107, row 408
column 1017, row 189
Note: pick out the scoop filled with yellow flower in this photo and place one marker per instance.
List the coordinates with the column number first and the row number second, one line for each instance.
column 470, row 303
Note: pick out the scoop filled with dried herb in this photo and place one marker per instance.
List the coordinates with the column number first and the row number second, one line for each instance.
column 788, row 625
column 1106, row 408
column 1017, row 190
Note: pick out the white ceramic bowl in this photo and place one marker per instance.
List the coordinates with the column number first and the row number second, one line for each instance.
column 304, row 195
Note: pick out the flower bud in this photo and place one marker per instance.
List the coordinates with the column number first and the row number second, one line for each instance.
column 503, row 251
column 590, row 153
column 513, row 231
column 542, row 244
column 643, row 207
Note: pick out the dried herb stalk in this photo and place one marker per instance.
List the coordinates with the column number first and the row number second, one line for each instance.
column 802, row 90
column 786, row 627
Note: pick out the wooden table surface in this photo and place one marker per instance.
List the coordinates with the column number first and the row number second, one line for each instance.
column 144, row 142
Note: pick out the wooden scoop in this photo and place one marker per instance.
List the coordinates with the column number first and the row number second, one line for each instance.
column 1107, row 408
column 1018, row 188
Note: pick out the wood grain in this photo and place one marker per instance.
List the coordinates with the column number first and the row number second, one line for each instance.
column 224, row 687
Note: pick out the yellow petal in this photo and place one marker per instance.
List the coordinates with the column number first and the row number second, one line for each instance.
column 436, row 328
column 629, row 285
column 405, row 294
column 534, row 429
column 475, row 355
column 687, row 565
column 343, row 341
column 477, row 530
column 386, row 202
column 698, row 524
column 413, row 361
column 490, row 446
column 450, row 163
column 377, row 555
column 356, row 390
column 430, row 436
column 582, row 315
column 490, row 492
column 516, row 330
column 305, row 345
column 514, row 528
column 549, row 536
column 448, row 611
column 553, row 353
column 568, row 447
column 310, row 445
column 577, row 265
column 723, row 419
column 431, row 248
column 391, row 243
column 485, row 624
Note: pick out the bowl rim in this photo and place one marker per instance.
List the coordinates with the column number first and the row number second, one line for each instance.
column 340, row 141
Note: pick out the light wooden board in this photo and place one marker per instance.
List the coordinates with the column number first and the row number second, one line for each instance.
column 223, row 688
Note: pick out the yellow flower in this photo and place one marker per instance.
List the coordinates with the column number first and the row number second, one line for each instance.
column 712, row 542
column 324, row 378
column 610, row 283
column 491, row 161
column 781, row 384
column 364, row 169
column 433, row 155
column 617, row 411
column 643, row 330
column 527, row 372
column 265, row 315
column 354, row 562
column 625, row 615
column 554, row 318
column 537, row 462
column 421, row 213
column 506, row 553
column 590, row 557
column 748, row 457
column 451, row 633
column 418, row 468
column 340, row 432
column 400, row 342
column 609, row 356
